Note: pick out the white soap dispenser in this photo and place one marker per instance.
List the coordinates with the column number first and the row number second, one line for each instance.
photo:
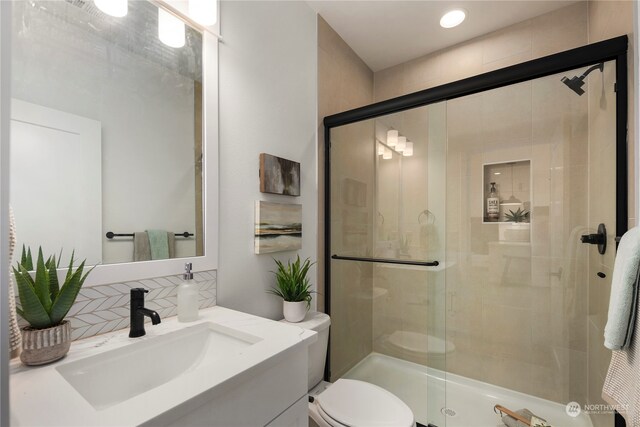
column 187, row 297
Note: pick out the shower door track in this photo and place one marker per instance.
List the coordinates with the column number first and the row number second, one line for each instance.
column 614, row 49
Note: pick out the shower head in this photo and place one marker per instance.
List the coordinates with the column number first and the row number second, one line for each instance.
column 575, row 83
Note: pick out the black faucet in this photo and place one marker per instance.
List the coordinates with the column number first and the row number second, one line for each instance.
column 138, row 312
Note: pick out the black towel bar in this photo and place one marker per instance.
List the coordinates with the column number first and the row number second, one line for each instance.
column 388, row 261
column 111, row 234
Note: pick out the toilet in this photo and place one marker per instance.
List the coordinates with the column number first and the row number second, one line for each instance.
column 347, row 402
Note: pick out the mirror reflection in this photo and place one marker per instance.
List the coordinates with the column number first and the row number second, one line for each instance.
column 106, row 133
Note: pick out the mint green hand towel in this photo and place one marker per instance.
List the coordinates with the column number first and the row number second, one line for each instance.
column 624, row 292
column 159, row 242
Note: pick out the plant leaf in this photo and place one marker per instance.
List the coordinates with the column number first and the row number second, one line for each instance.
column 26, row 260
column 23, row 257
column 68, row 293
column 42, row 283
column 54, row 288
column 70, row 269
column 29, row 260
column 32, row 310
column 59, row 259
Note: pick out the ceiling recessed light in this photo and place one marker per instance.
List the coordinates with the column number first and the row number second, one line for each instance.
column 452, row 18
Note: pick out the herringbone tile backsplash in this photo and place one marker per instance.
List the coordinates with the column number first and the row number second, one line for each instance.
column 105, row 308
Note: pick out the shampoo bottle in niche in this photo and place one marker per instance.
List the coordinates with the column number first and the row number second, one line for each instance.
column 187, row 297
column 493, row 204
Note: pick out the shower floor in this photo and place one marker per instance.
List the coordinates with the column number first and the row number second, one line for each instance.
column 468, row 403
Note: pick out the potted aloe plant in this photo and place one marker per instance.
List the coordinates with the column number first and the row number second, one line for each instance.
column 292, row 285
column 44, row 302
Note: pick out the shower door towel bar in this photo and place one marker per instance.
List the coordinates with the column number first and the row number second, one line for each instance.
column 111, row 234
column 387, row 261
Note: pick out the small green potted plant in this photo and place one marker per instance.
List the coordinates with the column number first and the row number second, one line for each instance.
column 43, row 304
column 292, row 285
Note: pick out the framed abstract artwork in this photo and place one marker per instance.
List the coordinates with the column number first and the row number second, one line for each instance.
column 279, row 176
column 278, row 227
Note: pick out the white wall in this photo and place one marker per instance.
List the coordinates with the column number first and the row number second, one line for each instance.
column 268, row 90
column 147, row 115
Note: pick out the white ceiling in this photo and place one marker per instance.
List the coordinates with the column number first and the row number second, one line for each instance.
column 385, row 33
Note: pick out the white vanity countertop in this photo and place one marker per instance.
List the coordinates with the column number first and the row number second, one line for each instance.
column 40, row 396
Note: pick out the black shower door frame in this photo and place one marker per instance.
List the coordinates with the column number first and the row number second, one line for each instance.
column 614, row 49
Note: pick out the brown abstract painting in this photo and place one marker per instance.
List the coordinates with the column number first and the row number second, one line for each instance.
column 279, row 176
column 278, row 227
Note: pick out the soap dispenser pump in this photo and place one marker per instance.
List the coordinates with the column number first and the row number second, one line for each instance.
column 187, row 297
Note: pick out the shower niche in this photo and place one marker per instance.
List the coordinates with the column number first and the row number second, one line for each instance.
column 507, row 192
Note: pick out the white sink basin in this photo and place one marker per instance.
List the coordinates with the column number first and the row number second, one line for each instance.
column 114, row 376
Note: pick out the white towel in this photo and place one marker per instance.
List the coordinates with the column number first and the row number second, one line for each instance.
column 15, row 342
column 624, row 285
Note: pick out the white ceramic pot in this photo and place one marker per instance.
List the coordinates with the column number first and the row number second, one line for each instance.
column 294, row 311
column 40, row 346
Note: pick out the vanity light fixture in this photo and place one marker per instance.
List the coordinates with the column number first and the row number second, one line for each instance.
column 204, row 12
column 171, row 30
column 408, row 149
column 380, row 149
column 453, row 18
column 115, row 8
column 402, row 143
column 387, row 154
column 392, row 137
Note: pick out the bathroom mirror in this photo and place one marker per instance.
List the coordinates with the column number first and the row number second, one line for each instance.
column 108, row 136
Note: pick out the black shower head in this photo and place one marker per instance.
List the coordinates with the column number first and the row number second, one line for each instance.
column 575, row 83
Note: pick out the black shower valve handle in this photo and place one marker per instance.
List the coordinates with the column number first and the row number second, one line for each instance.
column 592, row 239
column 599, row 238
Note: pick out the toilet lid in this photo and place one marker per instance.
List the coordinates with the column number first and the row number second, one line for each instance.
column 357, row 403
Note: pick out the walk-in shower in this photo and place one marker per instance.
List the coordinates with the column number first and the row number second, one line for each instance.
column 457, row 275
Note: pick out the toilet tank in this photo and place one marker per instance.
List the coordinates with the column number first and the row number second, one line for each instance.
column 318, row 322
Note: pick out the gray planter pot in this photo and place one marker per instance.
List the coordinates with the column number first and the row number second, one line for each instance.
column 40, row 346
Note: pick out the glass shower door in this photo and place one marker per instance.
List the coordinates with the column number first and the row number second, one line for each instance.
column 388, row 274
column 527, row 305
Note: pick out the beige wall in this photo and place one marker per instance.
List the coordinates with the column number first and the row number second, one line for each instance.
column 547, row 34
column 344, row 82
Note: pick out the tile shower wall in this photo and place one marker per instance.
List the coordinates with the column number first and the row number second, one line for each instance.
column 344, row 82
column 550, row 33
column 353, row 181
column 105, row 308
